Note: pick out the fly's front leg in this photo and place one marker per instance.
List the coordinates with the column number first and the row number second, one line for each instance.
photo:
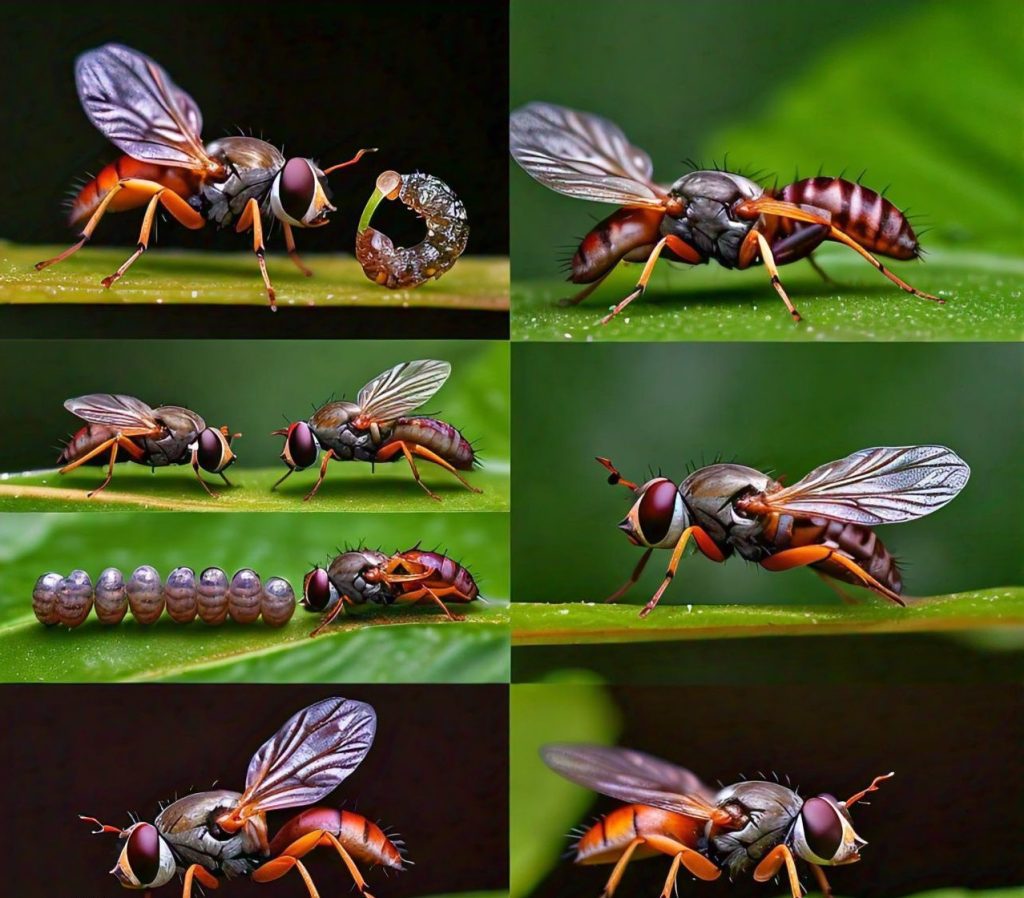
column 251, row 218
column 637, row 571
column 819, row 875
column 289, row 242
column 328, row 455
column 772, row 864
column 200, row 874
column 706, row 545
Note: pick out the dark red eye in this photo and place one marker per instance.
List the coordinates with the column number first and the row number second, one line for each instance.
column 823, row 829
column 302, row 446
column 657, row 508
column 296, row 188
column 316, row 591
column 211, row 451
column 143, row 850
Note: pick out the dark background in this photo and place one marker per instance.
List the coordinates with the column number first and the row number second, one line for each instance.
column 427, row 84
column 945, row 819
column 437, row 773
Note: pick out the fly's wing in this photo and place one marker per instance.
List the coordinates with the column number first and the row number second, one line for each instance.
column 137, row 107
column 582, row 156
column 887, row 485
column 401, row 389
column 308, row 757
column 125, row 412
column 631, row 776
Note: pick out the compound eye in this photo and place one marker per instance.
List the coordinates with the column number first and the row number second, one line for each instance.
column 316, row 590
column 302, row 447
column 296, row 187
column 214, row 454
column 823, row 828
column 657, row 510
column 143, row 853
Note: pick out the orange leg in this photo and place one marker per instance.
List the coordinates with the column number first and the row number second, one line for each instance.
column 179, row 209
column 289, row 242
column 277, row 867
column 706, row 545
column 411, row 449
column 806, row 555
column 329, row 617
column 694, row 861
column 250, row 217
column 769, row 263
column 772, row 864
column 425, row 596
column 819, row 875
column 769, row 206
column 328, row 455
column 195, row 871
column 637, row 571
column 641, row 284
column 120, row 440
column 620, row 868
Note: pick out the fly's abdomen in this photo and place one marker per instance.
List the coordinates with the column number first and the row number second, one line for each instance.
column 860, row 544
column 866, row 216
column 440, row 438
column 605, row 841
column 613, row 239
column 84, row 441
column 361, row 837
column 180, row 180
column 447, row 570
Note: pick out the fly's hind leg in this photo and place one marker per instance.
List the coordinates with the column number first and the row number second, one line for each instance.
column 803, row 556
column 409, row 450
column 577, row 298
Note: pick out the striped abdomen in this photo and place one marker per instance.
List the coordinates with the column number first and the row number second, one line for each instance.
column 360, row 837
column 605, row 841
column 440, row 438
column 182, row 181
column 446, row 570
column 861, row 544
column 866, row 216
column 87, row 439
column 613, row 239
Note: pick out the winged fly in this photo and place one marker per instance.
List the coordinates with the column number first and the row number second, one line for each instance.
column 753, row 826
column 822, row 521
column 377, row 428
column 363, row 577
column 123, row 428
column 207, row 836
column 704, row 215
column 231, row 182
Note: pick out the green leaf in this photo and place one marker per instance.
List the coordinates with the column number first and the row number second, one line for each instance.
column 169, row 277
column 348, row 487
column 983, row 294
column 391, row 645
column 585, row 622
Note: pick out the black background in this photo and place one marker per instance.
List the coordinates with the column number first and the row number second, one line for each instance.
column 437, row 773
column 948, row 818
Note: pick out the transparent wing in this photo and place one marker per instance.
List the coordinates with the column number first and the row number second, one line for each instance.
column 114, row 409
column 137, row 107
column 309, row 756
column 631, row 776
column 887, row 485
column 401, row 389
column 582, row 155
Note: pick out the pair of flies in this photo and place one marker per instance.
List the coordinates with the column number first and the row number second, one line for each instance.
column 376, row 428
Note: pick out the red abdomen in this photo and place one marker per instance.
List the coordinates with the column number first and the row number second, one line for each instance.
column 440, row 438
column 605, row 841
column 447, row 571
column 866, row 216
column 361, row 838
column 858, row 543
column 84, row 441
column 613, row 239
column 182, row 181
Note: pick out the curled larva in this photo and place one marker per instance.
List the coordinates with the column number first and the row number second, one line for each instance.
column 180, row 595
column 277, row 603
column 447, row 224
column 111, row 597
column 145, row 594
column 44, row 598
column 212, row 595
column 244, row 596
column 74, row 598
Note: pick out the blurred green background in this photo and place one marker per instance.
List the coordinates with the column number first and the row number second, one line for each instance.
column 775, row 408
column 832, row 739
column 923, row 95
column 274, row 545
column 254, row 387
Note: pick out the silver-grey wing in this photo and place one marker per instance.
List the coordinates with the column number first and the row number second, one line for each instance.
column 886, row 485
column 114, row 409
column 137, row 107
column 631, row 776
column 401, row 389
column 582, row 155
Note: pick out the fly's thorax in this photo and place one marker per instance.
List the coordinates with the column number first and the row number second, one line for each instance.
column 183, row 427
column 763, row 813
column 711, row 494
column 252, row 165
column 190, row 827
column 347, row 574
column 706, row 220
column 334, row 428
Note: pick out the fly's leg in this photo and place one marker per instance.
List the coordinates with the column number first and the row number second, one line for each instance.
column 328, row 455
column 204, row 877
column 692, row 860
column 289, row 859
column 620, row 868
column 330, row 616
column 250, row 218
column 577, row 298
column 682, row 250
column 807, row 555
column 385, row 453
column 769, row 263
column 120, row 440
column 828, row 279
column 772, row 864
column 819, row 875
column 289, row 242
column 706, row 545
column 637, row 571
column 426, row 596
